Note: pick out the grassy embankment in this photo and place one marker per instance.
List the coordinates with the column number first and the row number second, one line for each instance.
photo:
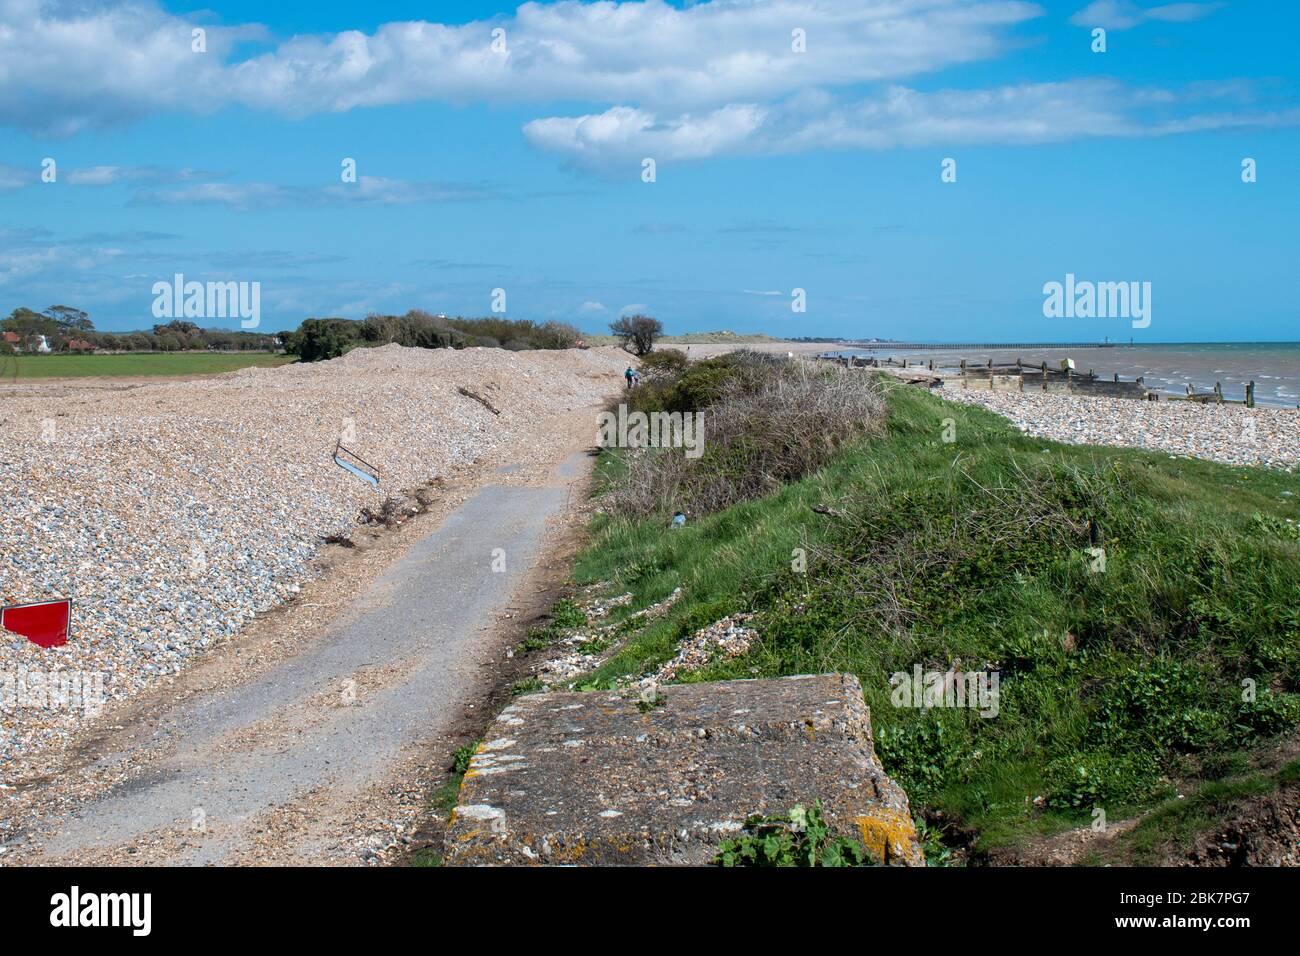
column 135, row 364
column 1120, row 688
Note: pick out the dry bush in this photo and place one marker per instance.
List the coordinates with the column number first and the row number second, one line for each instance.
column 774, row 423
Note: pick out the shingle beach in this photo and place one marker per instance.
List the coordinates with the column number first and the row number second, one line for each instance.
column 1231, row 434
column 172, row 512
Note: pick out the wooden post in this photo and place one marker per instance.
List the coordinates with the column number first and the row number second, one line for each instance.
column 1250, row 395
column 1218, row 390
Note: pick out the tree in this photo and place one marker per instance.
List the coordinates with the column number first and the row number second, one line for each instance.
column 318, row 339
column 638, row 332
column 178, row 327
column 70, row 319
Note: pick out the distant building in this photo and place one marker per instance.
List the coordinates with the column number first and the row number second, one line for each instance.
column 14, row 340
column 80, row 345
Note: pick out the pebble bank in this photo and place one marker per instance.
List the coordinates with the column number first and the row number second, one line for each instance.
column 171, row 513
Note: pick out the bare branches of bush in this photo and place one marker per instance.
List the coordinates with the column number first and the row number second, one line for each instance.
column 774, row 423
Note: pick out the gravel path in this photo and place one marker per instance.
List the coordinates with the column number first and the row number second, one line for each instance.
column 1232, row 434
column 172, row 513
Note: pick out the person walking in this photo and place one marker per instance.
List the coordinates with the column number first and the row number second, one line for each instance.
column 630, row 375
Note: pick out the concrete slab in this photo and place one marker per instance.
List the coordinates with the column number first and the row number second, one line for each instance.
column 602, row 778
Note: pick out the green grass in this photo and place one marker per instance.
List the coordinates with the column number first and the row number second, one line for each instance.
column 1115, row 686
column 1175, row 825
column 133, row 364
column 443, row 800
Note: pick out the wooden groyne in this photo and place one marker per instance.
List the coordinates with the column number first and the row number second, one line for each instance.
column 1020, row 377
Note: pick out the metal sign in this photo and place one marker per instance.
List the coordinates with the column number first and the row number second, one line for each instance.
column 46, row 623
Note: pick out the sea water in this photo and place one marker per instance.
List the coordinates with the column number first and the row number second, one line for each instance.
column 1274, row 367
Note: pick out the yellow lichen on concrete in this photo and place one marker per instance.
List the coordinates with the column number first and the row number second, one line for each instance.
column 891, row 836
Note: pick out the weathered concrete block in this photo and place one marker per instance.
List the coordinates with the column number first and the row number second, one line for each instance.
column 601, row 778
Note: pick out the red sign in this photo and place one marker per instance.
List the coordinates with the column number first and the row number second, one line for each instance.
column 45, row 624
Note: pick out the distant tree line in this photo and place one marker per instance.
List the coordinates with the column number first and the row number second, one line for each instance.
column 66, row 329
column 318, row 339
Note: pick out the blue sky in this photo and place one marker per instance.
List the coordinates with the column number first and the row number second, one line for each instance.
column 776, row 170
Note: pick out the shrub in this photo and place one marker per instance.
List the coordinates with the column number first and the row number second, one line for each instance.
column 637, row 332
column 773, row 423
column 670, row 362
column 318, row 339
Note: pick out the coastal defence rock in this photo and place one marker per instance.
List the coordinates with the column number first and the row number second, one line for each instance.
column 608, row 778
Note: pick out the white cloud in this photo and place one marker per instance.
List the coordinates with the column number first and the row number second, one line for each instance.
column 398, row 192
column 64, row 66
column 111, row 175
column 1124, row 15
column 1024, row 114
column 367, row 189
column 28, row 253
column 15, row 177
column 672, row 83
column 592, row 306
column 632, row 134
column 235, row 195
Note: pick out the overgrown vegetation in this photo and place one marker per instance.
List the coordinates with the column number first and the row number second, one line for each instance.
column 1172, row 828
column 763, row 422
column 800, row 838
column 444, row 799
column 565, row 616
column 318, row 339
column 1163, row 666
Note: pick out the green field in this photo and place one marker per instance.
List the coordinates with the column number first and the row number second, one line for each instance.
column 131, row 364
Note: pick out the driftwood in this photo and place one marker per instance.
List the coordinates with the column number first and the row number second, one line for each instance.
column 470, row 393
